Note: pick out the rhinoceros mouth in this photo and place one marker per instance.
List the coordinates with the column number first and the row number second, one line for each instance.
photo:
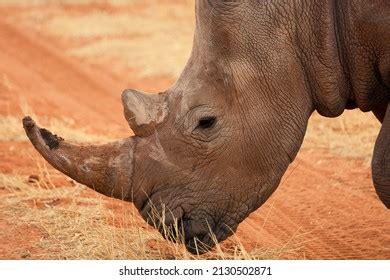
column 199, row 235
column 182, row 232
column 205, row 240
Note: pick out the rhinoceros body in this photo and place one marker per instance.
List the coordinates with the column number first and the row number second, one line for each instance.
column 212, row 148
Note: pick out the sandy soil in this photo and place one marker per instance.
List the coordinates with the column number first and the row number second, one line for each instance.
column 70, row 60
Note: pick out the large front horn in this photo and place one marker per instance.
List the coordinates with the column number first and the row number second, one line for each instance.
column 106, row 168
column 143, row 111
column 381, row 161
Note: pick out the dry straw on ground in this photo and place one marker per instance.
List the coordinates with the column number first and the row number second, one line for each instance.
column 74, row 226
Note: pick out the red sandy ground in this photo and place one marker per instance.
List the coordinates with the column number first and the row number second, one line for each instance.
column 325, row 199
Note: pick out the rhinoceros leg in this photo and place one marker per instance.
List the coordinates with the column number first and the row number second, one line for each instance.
column 381, row 161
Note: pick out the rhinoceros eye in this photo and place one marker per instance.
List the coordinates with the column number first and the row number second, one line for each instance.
column 206, row 122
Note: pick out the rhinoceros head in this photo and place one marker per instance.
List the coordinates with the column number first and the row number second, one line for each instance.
column 212, row 148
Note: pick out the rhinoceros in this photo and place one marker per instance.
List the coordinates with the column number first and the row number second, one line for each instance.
column 213, row 147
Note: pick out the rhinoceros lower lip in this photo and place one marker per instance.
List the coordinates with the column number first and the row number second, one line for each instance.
column 198, row 236
column 200, row 244
column 182, row 232
column 178, row 228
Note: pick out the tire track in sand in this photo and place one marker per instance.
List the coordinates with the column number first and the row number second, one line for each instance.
column 332, row 216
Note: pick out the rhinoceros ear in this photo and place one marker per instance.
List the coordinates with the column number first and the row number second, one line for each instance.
column 144, row 111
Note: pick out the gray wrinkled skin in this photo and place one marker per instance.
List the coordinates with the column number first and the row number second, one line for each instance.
column 212, row 148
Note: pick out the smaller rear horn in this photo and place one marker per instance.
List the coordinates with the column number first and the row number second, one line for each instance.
column 144, row 112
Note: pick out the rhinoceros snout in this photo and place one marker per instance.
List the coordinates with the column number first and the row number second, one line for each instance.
column 195, row 230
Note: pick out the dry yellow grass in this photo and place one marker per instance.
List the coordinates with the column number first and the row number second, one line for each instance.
column 81, row 227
